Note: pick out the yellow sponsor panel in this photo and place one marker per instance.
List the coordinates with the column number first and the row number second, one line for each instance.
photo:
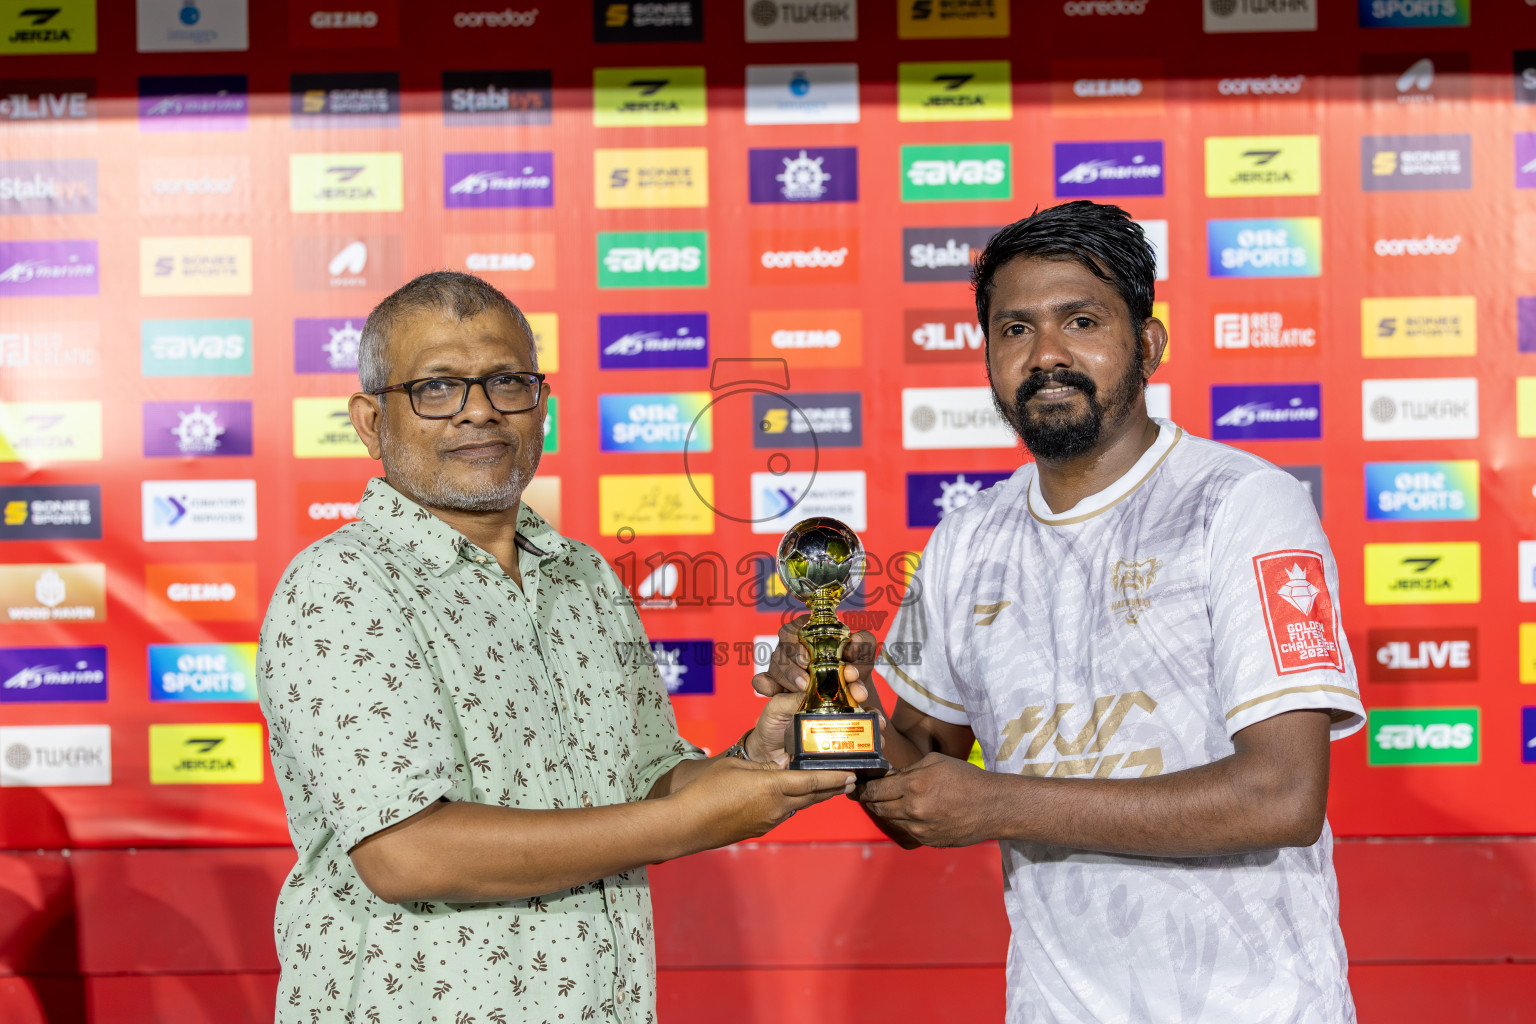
column 39, row 432
column 648, row 97
column 1262, row 165
column 546, row 339
column 656, row 504
column 206, row 753
column 195, row 265
column 346, row 182
column 979, row 90
column 625, row 179
column 1160, row 312
column 323, row 430
column 1528, row 652
column 1435, row 325
column 59, row 26
column 1525, row 406
column 1430, row 573
column 951, row 19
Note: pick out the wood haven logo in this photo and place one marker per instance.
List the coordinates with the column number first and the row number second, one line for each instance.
column 1299, row 611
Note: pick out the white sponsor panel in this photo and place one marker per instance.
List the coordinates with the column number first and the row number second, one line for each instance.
column 762, row 650
column 952, row 418
column 802, row 94
column 199, row 509
column 1419, row 409
column 1160, row 401
column 799, row 21
column 55, row 755
column 1157, row 237
column 1528, row 570
column 171, row 25
column 780, row 500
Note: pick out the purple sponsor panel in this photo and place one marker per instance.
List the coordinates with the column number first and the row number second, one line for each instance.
column 651, row 341
column 1525, row 159
column 196, row 429
column 804, row 175
column 1266, row 412
column 932, row 496
column 479, row 180
column 327, row 344
column 1109, row 168
column 1526, row 323
column 48, row 268
column 46, row 675
column 193, row 103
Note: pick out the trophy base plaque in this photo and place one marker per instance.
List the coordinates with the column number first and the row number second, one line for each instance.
column 840, row 741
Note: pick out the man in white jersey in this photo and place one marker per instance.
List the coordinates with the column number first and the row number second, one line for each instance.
column 1141, row 631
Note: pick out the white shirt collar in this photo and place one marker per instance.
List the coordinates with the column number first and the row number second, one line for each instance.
column 1168, row 435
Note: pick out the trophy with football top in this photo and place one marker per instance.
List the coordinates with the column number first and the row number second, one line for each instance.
column 821, row 562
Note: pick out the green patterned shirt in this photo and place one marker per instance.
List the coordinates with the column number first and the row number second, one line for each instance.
column 399, row 665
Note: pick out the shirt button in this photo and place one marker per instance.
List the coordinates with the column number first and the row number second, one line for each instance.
column 620, row 996
column 480, row 559
column 586, row 799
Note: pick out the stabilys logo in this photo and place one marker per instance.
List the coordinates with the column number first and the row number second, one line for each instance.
column 1266, row 412
column 943, row 336
column 195, row 265
column 815, row 337
column 1425, row 573
column 58, row 592
column 193, row 103
column 952, row 418
column 1109, row 168
column 772, row 21
column 47, row 186
column 202, row 672
column 952, row 19
column 201, row 592
column 1525, row 77
column 50, row 512
column 346, row 182
column 650, row 178
column 652, row 259
column 177, row 510
column 803, row 175
column 166, row 26
column 1299, row 611
column 1423, row 735
column 648, row 21
column 48, row 268
column 44, row 432
column 942, row 254
column 1422, row 491
column 932, row 496
column 941, row 173
column 351, row 262
column 1418, row 327
column 1425, row 654
column 1270, row 247
column 60, row 26
column 196, row 429
column 195, row 348
column 47, row 675
column 1415, row 163
column 1311, row 480
column 1260, row 16
column 1276, row 327
column 207, row 753
column 1262, row 165
column 813, row 256
column 802, row 94
column 327, row 344
column 473, row 98
column 1419, row 409
column 322, row 429
column 826, row 419
column 680, row 421
column 656, row 504
column 954, row 91
column 56, row 755
column 357, row 99
column 648, row 97
column 647, row 341
column 1414, row 13
column 476, row 180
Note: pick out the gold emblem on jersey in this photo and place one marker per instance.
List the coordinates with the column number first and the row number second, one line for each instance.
column 986, row 614
column 1131, row 581
column 1081, row 753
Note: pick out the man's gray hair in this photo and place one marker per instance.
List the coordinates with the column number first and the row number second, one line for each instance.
column 463, row 296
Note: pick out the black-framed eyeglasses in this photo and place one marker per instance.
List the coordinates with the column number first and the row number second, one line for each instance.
column 439, row 398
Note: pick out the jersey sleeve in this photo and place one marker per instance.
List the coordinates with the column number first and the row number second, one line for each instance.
column 1278, row 632
column 915, row 660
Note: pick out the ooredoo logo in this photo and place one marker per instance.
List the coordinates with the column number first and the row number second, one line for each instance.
column 201, row 591
column 805, row 257
column 320, row 508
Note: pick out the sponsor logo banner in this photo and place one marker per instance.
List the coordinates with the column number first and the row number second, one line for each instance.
column 514, row 263
column 1262, row 165
column 1260, row 16
column 174, row 186
column 1414, row 13
column 1429, row 245
column 322, row 429
column 814, row 256
column 649, row 341
column 952, row 418
column 951, row 19
column 193, row 103
column 1423, row 735
column 652, row 259
column 1269, row 327
column 802, row 94
column 478, row 180
column 1525, row 159
column 1422, row 491
column 506, row 18
column 1528, row 735
column 810, row 338
column 48, row 675
column 1527, row 560
column 69, row 350
column 326, row 344
column 47, row 186
column 780, row 500
column 1415, row 78
column 648, row 97
column 648, row 21
column 61, row 592
column 1109, row 168
column 65, row 105
column 1311, row 480
column 56, row 755
column 1525, row 406
column 1415, row 163
column 202, row 672
column 1423, row 573
column 43, row 432
column 686, row 667
column 195, row 348
column 1267, row 86
column 166, row 26
column 656, row 504
column 1416, row 327
column 50, row 512
column 979, row 90
column 1525, row 76
column 354, row 99
column 374, row 24
column 1425, row 654
column 59, row 26
column 1299, row 612
column 1528, row 652
column 1419, row 409
column 346, row 182
column 201, row 592
column 368, row 263
column 323, row 506
column 472, row 98
column 806, row 175
column 774, row 21
column 942, row 254
column 196, row 429
column 942, row 336
column 932, row 496
column 546, row 339
column 178, row 510
column 626, row 179
column 207, row 753
column 1267, row 247
column 657, row 422
column 935, row 173
column 1129, row 88
column 48, row 268
column 552, row 424
column 1156, row 232
column 195, row 265
column 1266, row 412
column 827, row 419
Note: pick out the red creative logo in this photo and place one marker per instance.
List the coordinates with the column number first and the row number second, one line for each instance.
column 1446, row 654
column 1265, row 326
column 820, row 256
column 1299, row 611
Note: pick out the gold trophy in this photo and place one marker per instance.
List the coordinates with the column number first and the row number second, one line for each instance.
column 821, row 562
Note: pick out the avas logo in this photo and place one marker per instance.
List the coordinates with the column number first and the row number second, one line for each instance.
column 181, row 185
column 1414, row 13
column 346, row 182
column 1109, row 168
column 207, row 753
column 322, row 429
column 178, row 510
column 374, row 24
column 779, row 500
column 1262, row 165
column 202, row 672
column 197, row 429
column 56, row 755
column 773, row 21
column 48, row 105
column 320, row 507
column 932, row 173
column 195, row 265
column 47, row 186
column 327, row 344
column 1419, row 409
column 1130, row 88
column 1423, row 735
column 649, row 178
column 810, row 338
column 167, row 26
column 44, row 432
column 358, row 99
column 951, row 19
column 831, row 419
column 1418, row 327
column 346, row 262
column 1423, row 655
column 932, row 496
column 816, row 256
column 942, row 336
column 645, row 341
column 675, row 422
column 1407, row 79
column 59, row 592
column 58, row 350
column 193, row 103
column 201, row 592
column 1415, row 163
column 802, row 94
column 1422, row 491
column 51, row 512
column 652, row 259
column 1448, row 572
column 497, row 97
column 478, row 180
column 1271, row 247
column 513, row 262
column 648, row 97
column 195, row 348
column 952, row 418
column 1269, row 327
column 805, row 175
column 656, row 504
column 47, row 675
column 48, row 268
column 57, row 26
column 954, row 91
column 1260, row 16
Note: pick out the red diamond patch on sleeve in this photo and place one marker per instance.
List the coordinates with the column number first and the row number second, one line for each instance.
column 1299, row 612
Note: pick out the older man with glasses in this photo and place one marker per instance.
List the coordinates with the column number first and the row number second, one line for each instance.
column 476, row 766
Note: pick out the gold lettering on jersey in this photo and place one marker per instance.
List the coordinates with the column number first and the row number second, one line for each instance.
column 987, row 613
column 1132, row 580
column 1082, row 754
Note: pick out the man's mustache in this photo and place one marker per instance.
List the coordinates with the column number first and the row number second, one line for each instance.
column 1035, row 381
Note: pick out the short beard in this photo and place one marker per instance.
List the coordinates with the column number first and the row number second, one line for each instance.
column 435, row 491
column 1055, row 435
